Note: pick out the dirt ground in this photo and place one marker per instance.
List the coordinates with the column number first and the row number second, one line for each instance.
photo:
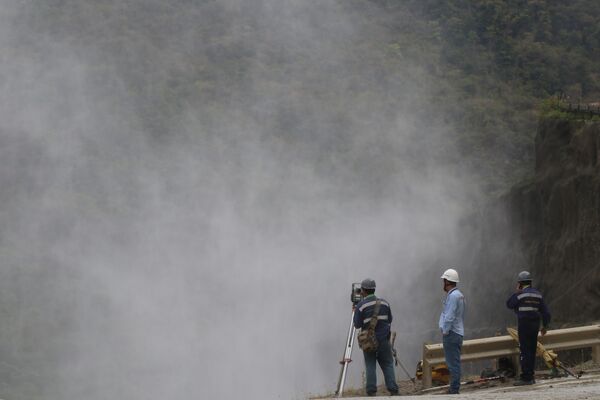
column 587, row 387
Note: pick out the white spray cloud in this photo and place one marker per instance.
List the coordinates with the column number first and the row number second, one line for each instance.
column 215, row 259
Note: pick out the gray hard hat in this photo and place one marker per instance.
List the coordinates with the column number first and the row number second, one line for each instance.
column 524, row 276
column 367, row 284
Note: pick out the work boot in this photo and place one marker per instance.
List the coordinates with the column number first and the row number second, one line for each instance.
column 522, row 382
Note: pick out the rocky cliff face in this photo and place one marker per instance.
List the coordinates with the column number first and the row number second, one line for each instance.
column 555, row 219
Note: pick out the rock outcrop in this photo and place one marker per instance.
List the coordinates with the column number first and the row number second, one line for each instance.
column 555, row 219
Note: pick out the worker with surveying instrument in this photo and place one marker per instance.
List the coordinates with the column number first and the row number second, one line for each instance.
column 528, row 304
column 452, row 327
column 373, row 317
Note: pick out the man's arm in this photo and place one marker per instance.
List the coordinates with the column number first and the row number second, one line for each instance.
column 358, row 319
column 512, row 301
column 545, row 316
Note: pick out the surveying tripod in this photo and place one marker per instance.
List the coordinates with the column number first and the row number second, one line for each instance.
column 347, row 357
column 355, row 297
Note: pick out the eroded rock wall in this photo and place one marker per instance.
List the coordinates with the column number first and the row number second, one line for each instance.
column 549, row 225
column 564, row 244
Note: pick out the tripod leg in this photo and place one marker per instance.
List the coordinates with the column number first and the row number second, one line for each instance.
column 347, row 357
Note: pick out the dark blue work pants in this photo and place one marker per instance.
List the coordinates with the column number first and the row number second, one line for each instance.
column 384, row 357
column 528, row 332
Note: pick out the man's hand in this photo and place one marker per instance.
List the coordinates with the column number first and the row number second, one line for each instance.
column 519, row 289
column 543, row 331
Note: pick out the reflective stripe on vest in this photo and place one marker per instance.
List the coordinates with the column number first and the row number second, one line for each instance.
column 382, row 317
column 528, row 309
column 372, row 303
column 536, row 295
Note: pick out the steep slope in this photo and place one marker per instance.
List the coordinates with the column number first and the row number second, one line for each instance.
column 551, row 224
column 566, row 251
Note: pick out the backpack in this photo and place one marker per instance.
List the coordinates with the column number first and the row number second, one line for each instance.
column 366, row 338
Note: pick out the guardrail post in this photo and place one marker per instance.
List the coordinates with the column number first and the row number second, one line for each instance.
column 516, row 360
column 596, row 354
column 426, row 368
column 426, row 374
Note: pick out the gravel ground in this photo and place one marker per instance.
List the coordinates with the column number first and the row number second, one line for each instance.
column 585, row 388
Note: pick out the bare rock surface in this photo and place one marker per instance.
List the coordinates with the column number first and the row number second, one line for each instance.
column 549, row 225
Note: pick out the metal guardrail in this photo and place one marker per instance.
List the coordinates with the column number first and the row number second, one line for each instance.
column 586, row 110
column 505, row 346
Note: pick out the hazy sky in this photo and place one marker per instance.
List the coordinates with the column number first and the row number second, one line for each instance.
column 208, row 250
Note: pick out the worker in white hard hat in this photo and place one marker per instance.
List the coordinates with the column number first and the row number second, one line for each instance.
column 452, row 327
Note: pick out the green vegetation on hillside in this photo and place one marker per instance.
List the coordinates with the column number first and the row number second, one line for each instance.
column 477, row 68
column 504, row 58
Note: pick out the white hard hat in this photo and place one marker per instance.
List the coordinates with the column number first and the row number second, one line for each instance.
column 450, row 275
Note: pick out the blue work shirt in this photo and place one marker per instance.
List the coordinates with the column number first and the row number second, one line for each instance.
column 365, row 309
column 452, row 317
column 529, row 304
